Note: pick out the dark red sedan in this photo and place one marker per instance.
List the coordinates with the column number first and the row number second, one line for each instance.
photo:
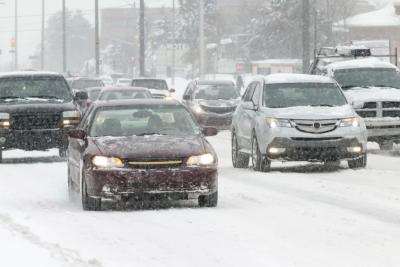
column 141, row 150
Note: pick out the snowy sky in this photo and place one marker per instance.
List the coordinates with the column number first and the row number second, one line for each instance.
column 30, row 21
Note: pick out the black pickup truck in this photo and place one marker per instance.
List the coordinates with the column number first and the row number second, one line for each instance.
column 37, row 109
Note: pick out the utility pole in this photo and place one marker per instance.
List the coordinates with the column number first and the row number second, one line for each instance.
column 173, row 44
column 16, row 36
column 97, row 37
column 42, row 42
column 202, row 46
column 306, row 35
column 64, row 38
column 142, row 41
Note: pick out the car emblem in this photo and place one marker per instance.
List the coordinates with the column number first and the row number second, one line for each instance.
column 317, row 125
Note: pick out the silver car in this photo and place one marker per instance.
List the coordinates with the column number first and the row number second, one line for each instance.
column 293, row 117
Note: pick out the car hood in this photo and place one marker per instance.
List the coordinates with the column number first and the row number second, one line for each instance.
column 218, row 103
column 358, row 95
column 150, row 147
column 313, row 113
column 36, row 106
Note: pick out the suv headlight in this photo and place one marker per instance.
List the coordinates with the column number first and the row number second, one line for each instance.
column 350, row 122
column 71, row 118
column 5, row 120
column 278, row 123
column 202, row 160
column 105, row 162
column 197, row 109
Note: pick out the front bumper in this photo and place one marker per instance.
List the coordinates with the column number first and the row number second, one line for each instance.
column 381, row 129
column 40, row 139
column 305, row 149
column 150, row 184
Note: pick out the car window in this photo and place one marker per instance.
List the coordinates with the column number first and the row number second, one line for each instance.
column 123, row 94
column 145, row 120
column 256, row 94
column 150, row 84
column 302, row 94
column 216, row 92
column 249, row 92
column 367, row 77
column 34, row 87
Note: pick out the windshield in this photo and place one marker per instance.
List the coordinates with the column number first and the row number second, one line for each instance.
column 150, row 84
column 142, row 121
column 35, row 87
column 94, row 94
column 216, row 92
column 83, row 84
column 124, row 94
column 367, row 77
column 304, row 94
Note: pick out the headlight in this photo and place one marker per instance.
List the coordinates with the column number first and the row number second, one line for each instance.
column 277, row 123
column 197, row 109
column 5, row 120
column 202, row 160
column 350, row 122
column 105, row 162
column 71, row 118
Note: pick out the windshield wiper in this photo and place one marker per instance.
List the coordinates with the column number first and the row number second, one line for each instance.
column 323, row 105
column 144, row 134
column 44, row 97
column 387, row 86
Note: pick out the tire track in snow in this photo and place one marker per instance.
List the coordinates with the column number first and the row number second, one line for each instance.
column 67, row 257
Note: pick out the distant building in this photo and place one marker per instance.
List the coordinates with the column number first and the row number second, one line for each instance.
column 382, row 24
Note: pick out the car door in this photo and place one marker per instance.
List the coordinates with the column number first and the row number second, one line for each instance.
column 243, row 119
column 251, row 108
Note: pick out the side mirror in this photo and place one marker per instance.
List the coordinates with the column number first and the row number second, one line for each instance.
column 172, row 90
column 77, row 134
column 210, row 131
column 186, row 97
column 249, row 106
column 81, row 95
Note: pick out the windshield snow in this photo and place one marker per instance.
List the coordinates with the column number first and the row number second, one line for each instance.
column 306, row 94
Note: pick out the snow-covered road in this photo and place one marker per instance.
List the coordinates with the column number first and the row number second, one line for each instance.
column 297, row 215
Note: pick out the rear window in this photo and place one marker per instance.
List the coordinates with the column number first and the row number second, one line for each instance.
column 151, row 84
column 35, row 87
column 123, row 95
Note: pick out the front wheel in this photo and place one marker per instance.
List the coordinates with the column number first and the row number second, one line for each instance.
column 239, row 160
column 358, row 163
column 88, row 203
column 209, row 201
column 260, row 162
column 62, row 152
column 1, row 155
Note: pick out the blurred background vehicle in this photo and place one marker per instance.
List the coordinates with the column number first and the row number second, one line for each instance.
column 124, row 93
column 158, row 87
column 123, row 82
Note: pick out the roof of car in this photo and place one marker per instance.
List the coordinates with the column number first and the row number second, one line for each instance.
column 214, row 82
column 138, row 102
column 148, row 78
column 296, row 78
column 361, row 63
column 29, row 74
column 116, row 88
column 84, row 78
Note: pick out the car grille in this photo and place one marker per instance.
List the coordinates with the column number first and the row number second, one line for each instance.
column 218, row 110
column 380, row 109
column 155, row 164
column 316, row 126
column 35, row 121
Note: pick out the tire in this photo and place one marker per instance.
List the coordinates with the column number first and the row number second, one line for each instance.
column 88, row 203
column 358, row 163
column 1, row 155
column 386, row 145
column 209, row 201
column 239, row 160
column 71, row 189
column 260, row 162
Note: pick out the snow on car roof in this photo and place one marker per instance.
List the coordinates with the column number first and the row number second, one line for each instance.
column 138, row 102
column 296, row 78
column 28, row 73
column 361, row 63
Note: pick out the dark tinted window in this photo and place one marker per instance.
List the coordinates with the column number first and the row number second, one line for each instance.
column 302, row 94
column 31, row 87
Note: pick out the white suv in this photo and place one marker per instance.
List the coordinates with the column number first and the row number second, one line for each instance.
column 294, row 117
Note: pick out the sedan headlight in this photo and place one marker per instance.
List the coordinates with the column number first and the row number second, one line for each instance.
column 71, row 118
column 278, row 123
column 5, row 120
column 202, row 160
column 197, row 109
column 350, row 122
column 105, row 162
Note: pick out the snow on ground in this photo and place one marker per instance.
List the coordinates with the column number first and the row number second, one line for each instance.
column 297, row 215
